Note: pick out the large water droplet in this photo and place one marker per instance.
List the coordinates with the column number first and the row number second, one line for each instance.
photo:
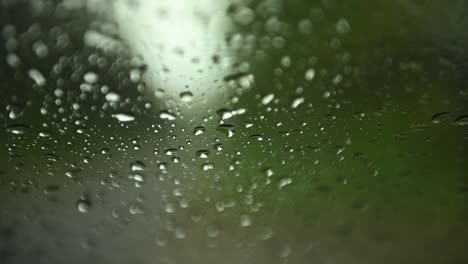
column 245, row 221
column 167, row 116
column 343, row 26
column 37, row 77
column 268, row 98
column 83, row 206
column 124, row 117
column 462, row 120
column 186, row 97
column 297, row 101
column 198, row 130
column 112, row 97
column 17, row 129
column 310, row 74
column 283, row 182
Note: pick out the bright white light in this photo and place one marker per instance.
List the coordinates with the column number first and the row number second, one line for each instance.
column 177, row 40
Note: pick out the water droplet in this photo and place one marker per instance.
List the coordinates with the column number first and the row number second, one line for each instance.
column 37, row 77
column 135, row 75
column 137, row 166
column 198, row 130
column 179, row 233
column 41, row 49
column 283, row 182
column 44, row 134
column 112, row 97
column 439, row 117
column 161, row 242
column 162, row 166
column 183, row 203
column 243, row 79
column 265, row 233
column 137, row 177
column 90, row 77
column 135, row 209
column 245, row 221
column 17, row 129
column 218, row 147
column 244, row 15
column 124, row 117
column 257, row 137
column 229, row 130
column 343, row 26
column 70, row 174
column 15, row 111
column 212, row 231
column 305, row 26
column 269, row 172
column 167, row 116
column 186, row 97
column 462, row 120
column 297, row 101
column 225, row 113
column 285, row 251
column 203, row 153
column 83, row 206
column 310, row 74
column 169, row 208
column 207, row 166
column 170, row 151
column 268, row 98
column 13, row 60
column 286, row 61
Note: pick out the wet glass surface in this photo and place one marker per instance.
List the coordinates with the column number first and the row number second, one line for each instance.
column 233, row 131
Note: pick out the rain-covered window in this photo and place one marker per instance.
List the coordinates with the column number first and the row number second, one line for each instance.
column 233, row 131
